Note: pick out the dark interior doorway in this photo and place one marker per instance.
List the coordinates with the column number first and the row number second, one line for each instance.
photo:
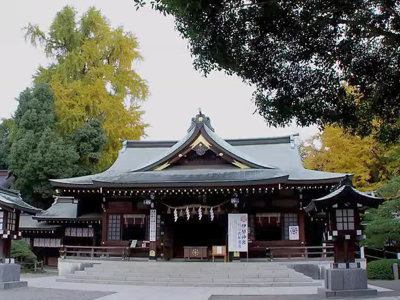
column 198, row 233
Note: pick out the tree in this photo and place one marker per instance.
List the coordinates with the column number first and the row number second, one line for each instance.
column 334, row 150
column 89, row 140
column 20, row 250
column 391, row 190
column 6, row 128
column 38, row 152
column 297, row 54
column 383, row 225
column 92, row 76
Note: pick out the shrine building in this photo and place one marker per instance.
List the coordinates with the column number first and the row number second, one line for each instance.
column 168, row 196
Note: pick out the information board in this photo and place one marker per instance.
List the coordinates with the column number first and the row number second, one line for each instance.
column 153, row 225
column 237, row 233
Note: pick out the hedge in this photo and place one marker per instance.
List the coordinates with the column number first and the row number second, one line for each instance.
column 382, row 269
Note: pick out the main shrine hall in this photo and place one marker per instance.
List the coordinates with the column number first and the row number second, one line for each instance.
column 162, row 197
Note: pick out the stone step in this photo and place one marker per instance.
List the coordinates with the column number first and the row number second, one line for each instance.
column 185, row 283
column 192, row 275
column 189, row 279
column 189, row 266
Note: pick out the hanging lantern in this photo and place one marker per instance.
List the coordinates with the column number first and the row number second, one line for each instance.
column 235, row 200
column 175, row 215
column 200, row 213
column 187, row 213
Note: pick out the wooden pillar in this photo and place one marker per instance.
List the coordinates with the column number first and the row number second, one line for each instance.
column 104, row 229
column 302, row 231
column 5, row 247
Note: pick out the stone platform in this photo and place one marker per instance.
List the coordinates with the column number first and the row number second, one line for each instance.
column 192, row 274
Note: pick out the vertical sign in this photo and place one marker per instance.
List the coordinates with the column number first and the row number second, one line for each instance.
column 153, row 225
column 293, row 233
column 237, row 233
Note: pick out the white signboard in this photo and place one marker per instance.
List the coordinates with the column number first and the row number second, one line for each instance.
column 294, row 233
column 237, row 233
column 153, row 225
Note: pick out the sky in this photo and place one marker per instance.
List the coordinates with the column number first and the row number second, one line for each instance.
column 177, row 90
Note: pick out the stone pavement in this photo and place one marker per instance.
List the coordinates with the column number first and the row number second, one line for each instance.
column 67, row 291
column 32, row 293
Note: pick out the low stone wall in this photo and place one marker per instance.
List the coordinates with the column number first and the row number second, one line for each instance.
column 316, row 269
column 66, row 267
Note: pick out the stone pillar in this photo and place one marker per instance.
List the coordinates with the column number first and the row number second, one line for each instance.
column 362, row 252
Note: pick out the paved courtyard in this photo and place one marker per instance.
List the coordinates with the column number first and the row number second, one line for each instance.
column 46, row 288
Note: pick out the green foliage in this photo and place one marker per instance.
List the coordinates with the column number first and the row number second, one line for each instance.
column 391, row 190
column 382, row 269
column 383, row 225
column 89, row 140
column 38, row 152
column 297, row 54
column 20, row 251
column 92, row 76
column 6, row 130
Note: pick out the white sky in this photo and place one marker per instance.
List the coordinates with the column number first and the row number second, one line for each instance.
column 177, row 90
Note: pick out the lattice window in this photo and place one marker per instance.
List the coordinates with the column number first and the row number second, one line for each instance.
column 345, row 219
column 290, row 220
column 114, row 227
column 11, row 221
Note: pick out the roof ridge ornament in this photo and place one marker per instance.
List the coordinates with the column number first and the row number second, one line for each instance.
column 199, row 120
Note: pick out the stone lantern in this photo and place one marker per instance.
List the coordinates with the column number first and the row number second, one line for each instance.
column 343, row 207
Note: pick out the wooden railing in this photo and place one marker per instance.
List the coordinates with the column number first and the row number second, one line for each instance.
column 102, row 252
column 316, row 252
column 92, row 252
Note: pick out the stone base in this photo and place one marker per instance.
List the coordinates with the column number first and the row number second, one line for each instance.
column 326, row 293
column 13, row 285
column 346, row 279
column 9, row 272
column 346, row 283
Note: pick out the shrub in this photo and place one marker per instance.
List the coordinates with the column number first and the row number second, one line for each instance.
column 21, row 252
column 382, row 269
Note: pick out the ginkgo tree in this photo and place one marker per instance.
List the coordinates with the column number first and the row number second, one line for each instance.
column 92, row 76
column 334, row 150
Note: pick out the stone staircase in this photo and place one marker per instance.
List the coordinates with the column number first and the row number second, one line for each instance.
column 191, row 274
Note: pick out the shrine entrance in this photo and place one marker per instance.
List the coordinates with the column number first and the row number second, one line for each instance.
column 201, row 233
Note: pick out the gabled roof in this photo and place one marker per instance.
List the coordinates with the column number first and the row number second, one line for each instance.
column 201, row 134
column 62, row 208
column 65, row 208
column 13, row 200
column 344, row 192
column 26, row 222
column 153, row 162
